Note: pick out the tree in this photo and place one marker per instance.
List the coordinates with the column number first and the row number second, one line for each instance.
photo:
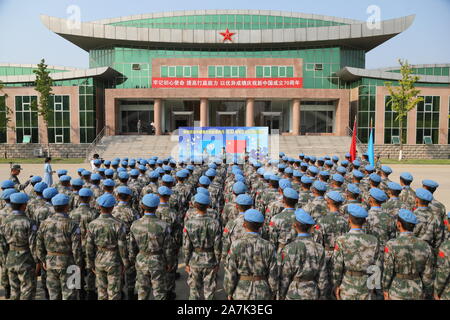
column 43, row 85
column 404, row 97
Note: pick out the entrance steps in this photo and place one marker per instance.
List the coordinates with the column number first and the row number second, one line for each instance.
column 144, row 146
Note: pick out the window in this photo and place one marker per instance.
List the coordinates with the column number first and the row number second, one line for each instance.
column 3, row 122
column 227, row 71
column 274, row 71
column 427, row 127
column 26, row 119
column 179, row 71
column 87, row 113
column 136, row 66
column 392, row 126
column 318, row 66
column 59, row 122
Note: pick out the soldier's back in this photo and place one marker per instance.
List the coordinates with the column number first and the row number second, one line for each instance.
column 442, row 280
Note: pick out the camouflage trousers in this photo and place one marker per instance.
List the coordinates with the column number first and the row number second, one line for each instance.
column 252, row 290
column 22, row 282
column 4, row 280
column 302, row 291
column 109, row 282
column 88, row 280
column 57, row 281
column 151, row 279
column 202, row 279
column 130, row 278
column 355, row 288
column 171, row 277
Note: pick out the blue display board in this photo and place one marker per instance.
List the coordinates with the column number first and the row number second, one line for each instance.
column 230, row 143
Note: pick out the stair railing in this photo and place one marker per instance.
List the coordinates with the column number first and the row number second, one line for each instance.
column 92, row 147
column 359, row 144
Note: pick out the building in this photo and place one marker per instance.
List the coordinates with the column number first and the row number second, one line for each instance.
column 302, row 74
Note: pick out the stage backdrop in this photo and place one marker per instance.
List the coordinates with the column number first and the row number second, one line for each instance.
column 217, row 142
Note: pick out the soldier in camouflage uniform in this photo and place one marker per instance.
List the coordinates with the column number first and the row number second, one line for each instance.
column 95, row 187
column 106, row 250
column 305, row 195
column 269, row 194
column 353, row 254
column 336, row 183
column 86, row 177
column 408, row 263
column 318, row 206
column 152, row 186
column 58, row 246
column 436, row 206
column 64, row 185
column 407, row 195
column 33, row 181
column 352, row 197
column 442, row 280
column 60, row 173
column 151, row 251
column 252, row 271
column 37, row 201
column 15, row 171
column 202, row 248
column 230, row 210
column 303, row 272
column 384, row 172
column 17, row 249
column 83, row 215
column 373, row 181
column 77, row 184
column 393, row 204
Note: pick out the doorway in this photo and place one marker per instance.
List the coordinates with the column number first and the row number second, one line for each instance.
column 182, row 119
column 273, row 120
column 136, row 117
column 226, row 118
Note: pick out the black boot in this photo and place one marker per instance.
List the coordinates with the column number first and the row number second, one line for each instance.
column 7, row 292
column 131, row 295
column 91, row 295
column 47, row 295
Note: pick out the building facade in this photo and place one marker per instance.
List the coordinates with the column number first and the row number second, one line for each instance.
column 298, row 73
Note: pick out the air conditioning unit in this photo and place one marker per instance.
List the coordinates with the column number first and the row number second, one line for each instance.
column 38, row 152
column 136, row 66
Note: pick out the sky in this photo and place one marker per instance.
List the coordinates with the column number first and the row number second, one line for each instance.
column 24, row 39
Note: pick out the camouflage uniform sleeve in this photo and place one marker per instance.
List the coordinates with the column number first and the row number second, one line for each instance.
column 442, row 272
column 218, row 243
column 76, row 245
column 41, row 252
column 122, row 243
column 32, row 239
column 323, row 276
column 388, row 268
column 226, row 238
column 3, row 246
column 170, row 247
column 273, row 270
column 132, row 247
column 428, row 274
column 187, row 247
column 338, row 264
column 90, row 248
column 230, row 280
column 273, row 233
column 287, row 270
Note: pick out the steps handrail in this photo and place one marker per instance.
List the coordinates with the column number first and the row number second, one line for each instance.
column 358, row 142
column 94, row 143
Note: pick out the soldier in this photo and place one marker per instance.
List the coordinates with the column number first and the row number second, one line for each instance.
column 202, row 247
column 77, row 184
column 408, row 263
column 4, row 213
column 385, row 171
column 305, row 194
column 276, row 205
column 64, row 185
column 269, row 194
column 15, row 171
column 230, row 210
column 106, row 250
column 354, row 253
column 38, row 201
column 318, row 206
column 352, row 196
column 393, row 204
column 407, row 195
column 60, row 173
column 251, row 272
column 303, row 273
column 33, row 181
column 95, row 187
column 83, row 215
column 442, row 280
column 437, row 207
column 296, row 180
column 151, row 250
column 17, row 246
column 86, row 177
column 59, row 247
column 336, row 183
column 152, row 186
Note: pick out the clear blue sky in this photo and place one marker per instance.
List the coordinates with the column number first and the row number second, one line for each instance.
column 24, row 39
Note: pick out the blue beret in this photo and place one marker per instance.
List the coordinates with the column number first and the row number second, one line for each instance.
column 303, row 217
column 306, row 179
column 324, row 173
column 60, row 200
column 288, row 170
column 212, row 166
column 77, row 182
column 49, row 193
column 424, row 194
column 348, row 155
column 357, row 211
column 274, row 177
column 153, row 175
column 96, row 176
column 281, row 166
column 41, row 186
column 134, row 172
column 107, row 200
column 335, row 158
column 239, row 187
column 182, row 174
column 107, row 162
column 320, row 159
column 407, row 216
column 164, row 191
column 239, row 177
column 303, row 164
column 386, row 169
column 210, row 173
column 35, row 179
column 97, row 162
column 353, row 188
column 85, row 192
column 358, row 174
column 267, row 175
column 204, row 180
column 124, row 163
column 100, row 170
column 190, row 167
column 335, row 196
column 124, row 190
column 159, row 170
column 253, row 215
column 109, row 183
column 301, row 154
column 167, row 178
column 448, row 215
column 341, row 170
column 257, row 164
column 290, row 193
column 123, row 175
column 297, row 174
column 125, row 159
column 109, row 172
column 356, row 163
column 338, row 178
column 394, row 186
column 281, row 154
column 132, row 163
column 244, row 200
column 202, row 198
column 150, row 200
column 65, row 178
column 375, row 178
column 7, row 184
column 430, row 183
column 114, row 163
column 378, row 194
column 202, row 190
column 19, row 198
column 8, row 192
column 159, row 161
column 166, row 168
column 284, row 183
column 406, row 176
column 80, row 170
column 313, row 170
column 320, row 186
column 61, row 172
column 260, row 171
column 329, row 163
column 151, row 162
column 306, row 158
column 344, row 162
column 369, row 167
column 313, row 158
column 284, row 158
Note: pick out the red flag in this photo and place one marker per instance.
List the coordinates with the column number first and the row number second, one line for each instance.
column 353, row 145
column 235, row 146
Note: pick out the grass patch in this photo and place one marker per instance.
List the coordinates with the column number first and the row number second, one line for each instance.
column 416, row 161
column 41, row 160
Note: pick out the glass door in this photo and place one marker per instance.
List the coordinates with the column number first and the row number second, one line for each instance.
column 273, row 120
column 226, row 118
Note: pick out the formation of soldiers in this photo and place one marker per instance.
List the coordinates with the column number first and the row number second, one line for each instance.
column 305, row 228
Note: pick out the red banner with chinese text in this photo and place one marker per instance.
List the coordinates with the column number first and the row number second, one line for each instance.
column 232, row 83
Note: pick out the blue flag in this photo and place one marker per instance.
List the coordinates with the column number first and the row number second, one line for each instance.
column 370, row 149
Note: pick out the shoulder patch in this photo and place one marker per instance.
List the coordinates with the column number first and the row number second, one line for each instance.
column 77, row 230
column 34, row 227
column 272, row 224
column 441, row 254
column 386, row 250
column 225, row 230
column 336, row 247
column 317, row 227
column 282, row 256
column 184, row 230
column 446, row 222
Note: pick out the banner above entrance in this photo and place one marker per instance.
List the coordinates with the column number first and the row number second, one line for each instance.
column 232, row 83
column 231, row 143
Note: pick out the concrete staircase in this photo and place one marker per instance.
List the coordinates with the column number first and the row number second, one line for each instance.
column 144, row 146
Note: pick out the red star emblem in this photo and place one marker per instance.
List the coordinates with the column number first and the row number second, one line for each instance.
column 227, row 35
